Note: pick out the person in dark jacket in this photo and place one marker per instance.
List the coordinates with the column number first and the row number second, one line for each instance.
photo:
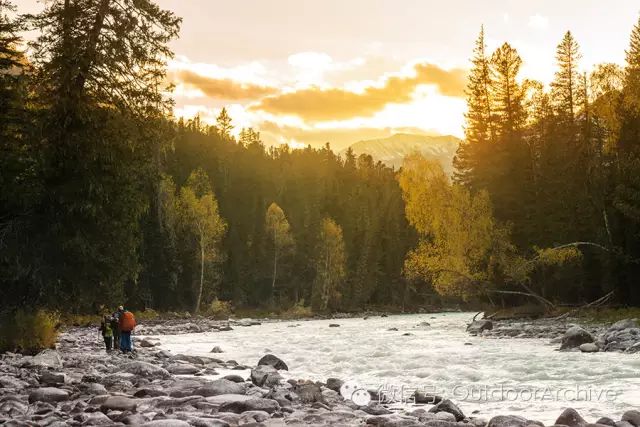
column 107, row 332
column 115, row 327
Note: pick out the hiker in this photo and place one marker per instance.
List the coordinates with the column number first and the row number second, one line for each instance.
column 115, row 327
column 127, row 324
column 107, row 332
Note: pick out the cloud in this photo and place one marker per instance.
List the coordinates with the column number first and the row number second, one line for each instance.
column 538, row 22
column 222, row 88
column 318, row 104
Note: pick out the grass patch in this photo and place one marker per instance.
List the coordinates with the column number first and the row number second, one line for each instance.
column 28, row 332
column 608, row 315
column 297, row 311
column 219, row 309
column 148, row 314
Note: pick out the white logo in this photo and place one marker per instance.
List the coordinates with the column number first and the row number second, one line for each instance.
column 350, row 390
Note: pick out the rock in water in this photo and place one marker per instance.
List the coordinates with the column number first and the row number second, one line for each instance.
column 478, row 326
column 605, row 421
column 632, row 417
column 271, row 360
column 589, row 347
column 450, row 407
column 570, row 417
column 216, row 349
column 575, row 337
column 48, row 394
column 334, row 384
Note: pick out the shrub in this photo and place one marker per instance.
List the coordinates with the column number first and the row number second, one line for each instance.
column 219, row 309
column 297, row 311
column 148, row 314
column 28, row 332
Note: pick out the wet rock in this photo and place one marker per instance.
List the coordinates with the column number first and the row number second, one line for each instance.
column 426, row 398
column 118, row 403
column 97, row 419
column 48, row 394
column 145, row 369
column 376, row 409
column 11, row 382
column 589, row 347
column 47, row 358
column 508, row 421
column 308, row 392
column 334, row 325
column 253, row 404
column 334, row 384
column 53, row 378
column 134, row 420
column 574, row 337
column 478, row 326
column 632, row 417
column 450, row 407
column 570, row 417
column 146, row 343
column 149, row 392
column 221, row 386
column 265, row 376
column 94, row 389
column 209, row 422
column 605, row 421
column 623, row 324
column 216, row 349
column 271, row 360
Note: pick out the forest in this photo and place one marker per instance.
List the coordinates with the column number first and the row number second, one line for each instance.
column 107, row 198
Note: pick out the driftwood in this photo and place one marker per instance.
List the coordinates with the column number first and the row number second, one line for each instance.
column 531, row 294
column 477, row 314
column 597, row 303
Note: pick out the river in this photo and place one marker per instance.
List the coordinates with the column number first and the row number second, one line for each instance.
column 484, row 376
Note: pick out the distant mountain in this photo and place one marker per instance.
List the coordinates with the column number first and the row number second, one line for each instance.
column 392, row 150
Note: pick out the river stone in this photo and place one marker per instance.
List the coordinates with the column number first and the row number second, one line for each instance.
column 48, row 394
column 219, row 387
column 53, row 378
column 254, row 417
column 624, row 424
column 47, row 358
column 183, row 369
column 146, row 343
column 234, row 378
column 623, row 324
column 118, row 403
column 450, row 407
column 209, row 422
column 632, row 417
column 426, row 398
column 97, row 419
column 574, row 337
column 146, row 370
column 216, row 349
column 508, row 421
column 271, row 360
column 570, row 417
column 11, row 382
column 478, row 326
column 589, row 347
column 253, row 404
column 95, row 389
column 334, row 384
column 227, row 398
column 265, row 376
column 605, row 421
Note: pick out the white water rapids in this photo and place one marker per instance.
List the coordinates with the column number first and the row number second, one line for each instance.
column 526, row 377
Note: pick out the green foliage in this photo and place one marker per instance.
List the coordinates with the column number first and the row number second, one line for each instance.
column 28, row 332
column 330, row 266
column 297, row 311
column 219, row 309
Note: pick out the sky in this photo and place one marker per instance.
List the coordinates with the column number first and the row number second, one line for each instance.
column 314, row 71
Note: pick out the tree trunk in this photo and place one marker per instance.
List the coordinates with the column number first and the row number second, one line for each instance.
column 196, row 307
column 275, row 271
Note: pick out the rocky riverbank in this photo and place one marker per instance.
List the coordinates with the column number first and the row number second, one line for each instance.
column 622, row 336
column 80, row 384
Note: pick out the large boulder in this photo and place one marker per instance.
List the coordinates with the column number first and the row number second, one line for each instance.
column 47, row 359
column 48, row 394
column 271, row 360
column 478, row 326
column 571, row 418
column 575, row 337
column 218, row 387
column 632, row 417
column 145, row 369
column 254, row 404
column 450, row 407
column 265, row 376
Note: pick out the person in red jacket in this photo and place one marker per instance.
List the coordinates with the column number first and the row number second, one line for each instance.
column 127, row 324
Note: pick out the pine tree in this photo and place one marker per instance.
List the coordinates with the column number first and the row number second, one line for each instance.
column 479, row 125
column 565, row 86
column 223, row 124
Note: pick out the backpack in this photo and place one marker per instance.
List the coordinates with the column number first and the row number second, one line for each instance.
column 127, row 321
